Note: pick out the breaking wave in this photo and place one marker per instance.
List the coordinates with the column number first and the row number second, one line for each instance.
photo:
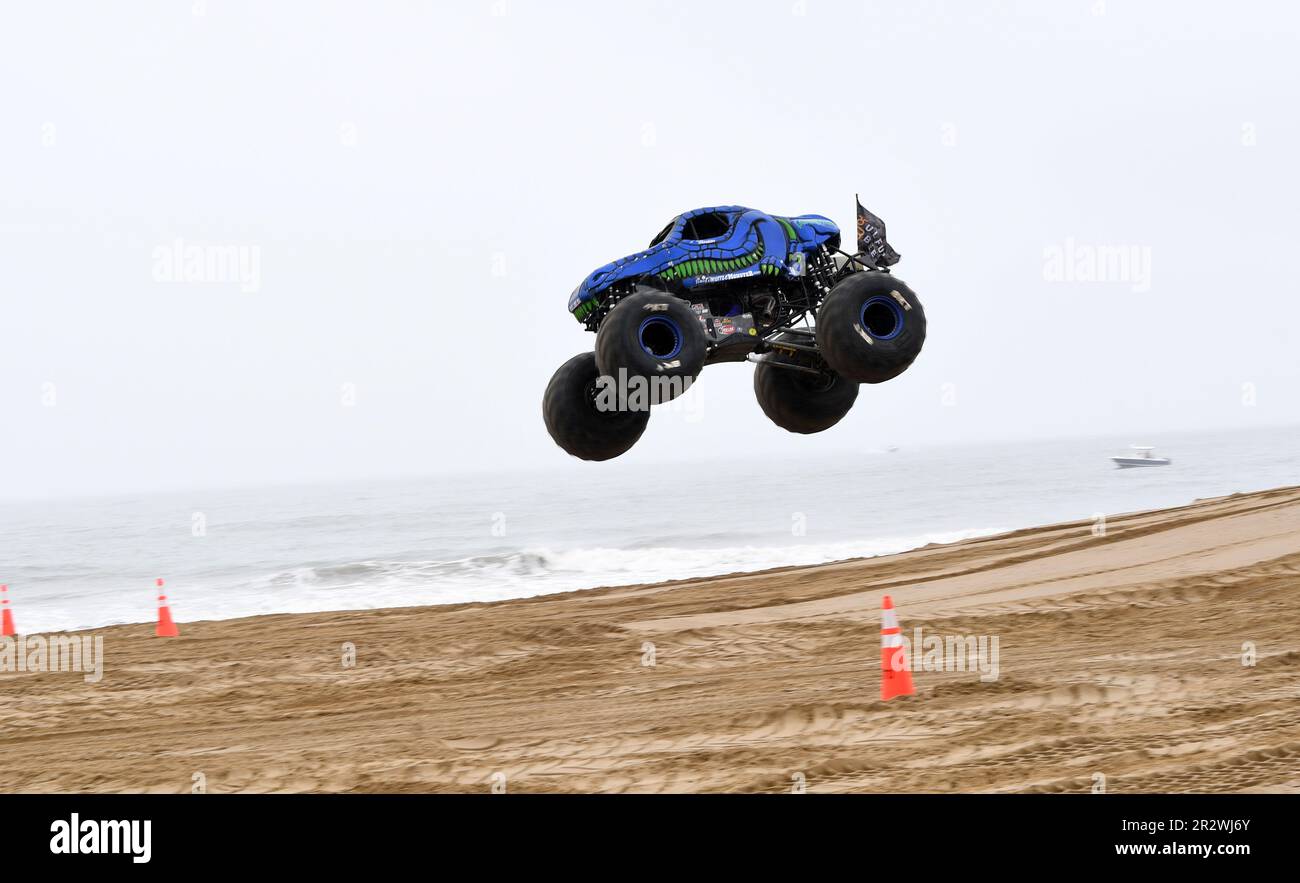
column 539, row 570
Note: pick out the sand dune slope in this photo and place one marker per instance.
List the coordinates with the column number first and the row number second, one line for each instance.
column 1119, row 656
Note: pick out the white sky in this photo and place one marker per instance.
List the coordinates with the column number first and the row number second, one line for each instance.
column 384, row 158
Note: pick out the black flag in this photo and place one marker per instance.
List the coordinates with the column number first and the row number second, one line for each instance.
column 871, row 239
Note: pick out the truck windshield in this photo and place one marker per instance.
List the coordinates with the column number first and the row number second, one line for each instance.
column 663, row 233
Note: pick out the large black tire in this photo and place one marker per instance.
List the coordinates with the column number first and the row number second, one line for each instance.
column 574, row 421
column 800, row 402
column 652, row 334
column 871, row 327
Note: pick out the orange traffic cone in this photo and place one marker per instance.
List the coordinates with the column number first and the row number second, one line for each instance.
column 6, row 615
column 895, row 678
column 166, row 628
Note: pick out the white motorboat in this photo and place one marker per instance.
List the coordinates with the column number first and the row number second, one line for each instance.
column 1140, row 456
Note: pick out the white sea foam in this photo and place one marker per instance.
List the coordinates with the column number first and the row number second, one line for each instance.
column 520, row 574
column 540, row 570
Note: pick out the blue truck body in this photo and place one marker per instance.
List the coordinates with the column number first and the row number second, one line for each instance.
column 707, row 246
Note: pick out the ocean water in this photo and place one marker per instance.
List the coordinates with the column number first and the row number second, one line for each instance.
column 87, row 563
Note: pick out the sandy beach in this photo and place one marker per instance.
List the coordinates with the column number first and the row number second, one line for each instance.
column 1119, row 655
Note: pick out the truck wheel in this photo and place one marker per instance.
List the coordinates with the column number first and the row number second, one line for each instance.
column 870, row 327
column 800, row 402
column 654, row 336
column 574, row 417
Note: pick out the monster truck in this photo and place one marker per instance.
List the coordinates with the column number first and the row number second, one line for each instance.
column 733, row 284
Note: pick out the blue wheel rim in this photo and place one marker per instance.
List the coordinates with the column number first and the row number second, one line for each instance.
column 658, row 327
column 875, row 315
